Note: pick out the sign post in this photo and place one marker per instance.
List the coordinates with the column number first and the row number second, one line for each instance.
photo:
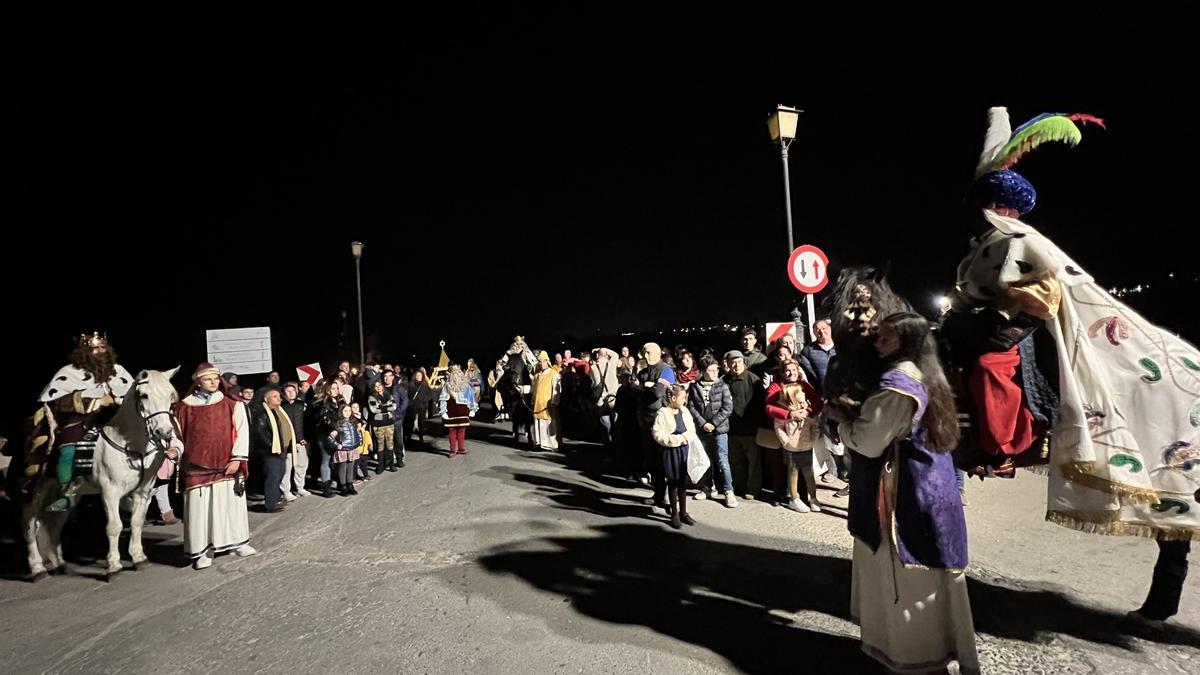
column 245, row 351
column 808, row 269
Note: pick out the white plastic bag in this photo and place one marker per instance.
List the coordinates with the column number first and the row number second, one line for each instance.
column 697, row 462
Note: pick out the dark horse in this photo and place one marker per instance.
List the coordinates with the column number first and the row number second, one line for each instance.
column 861, row 298
column 513, row 386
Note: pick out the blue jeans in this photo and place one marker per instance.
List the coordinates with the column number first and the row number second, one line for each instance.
column 717, row 447
column 273, row 466
column 326, row 446
column 960, row 477
column 606, row 422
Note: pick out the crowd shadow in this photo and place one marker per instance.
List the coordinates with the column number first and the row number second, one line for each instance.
column 738, row 599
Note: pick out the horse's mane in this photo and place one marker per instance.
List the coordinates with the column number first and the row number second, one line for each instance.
column 856, row 370
column 885, row 300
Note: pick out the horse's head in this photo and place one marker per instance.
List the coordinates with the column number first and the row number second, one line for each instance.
column 155, row 399
column 860, row 299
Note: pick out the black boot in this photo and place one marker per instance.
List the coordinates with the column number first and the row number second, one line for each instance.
column 327, row 489
column 350, row 488
column 676, row 522
column 683, row 514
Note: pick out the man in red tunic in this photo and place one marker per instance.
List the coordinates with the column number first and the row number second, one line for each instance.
column 215, row 439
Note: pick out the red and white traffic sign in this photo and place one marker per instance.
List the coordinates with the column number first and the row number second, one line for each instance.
column 776, row 331
column 808, row 268
column 309, row 373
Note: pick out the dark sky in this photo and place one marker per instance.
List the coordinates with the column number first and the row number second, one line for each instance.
column 514, row 175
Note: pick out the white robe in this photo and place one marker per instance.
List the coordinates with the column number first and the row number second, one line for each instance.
column 215, row 520
column 911, row 619
column 70, row 379
column 1125, row 454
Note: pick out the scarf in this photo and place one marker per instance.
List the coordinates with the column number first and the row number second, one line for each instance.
column 279, row 441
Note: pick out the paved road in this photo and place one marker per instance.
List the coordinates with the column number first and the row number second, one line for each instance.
column 519, row 562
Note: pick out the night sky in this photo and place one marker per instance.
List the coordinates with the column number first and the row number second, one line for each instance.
column 167, row 174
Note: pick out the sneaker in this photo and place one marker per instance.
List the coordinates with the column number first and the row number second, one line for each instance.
column 203, row 562
column 59, row 505
column 289, row 497
column 797, row 506
column 843, row 493
column 303, row 493
column 245, row 551
column 748, row 497
column 827, row 477
column 814, row 506
column 701, row 496
column 730, row 501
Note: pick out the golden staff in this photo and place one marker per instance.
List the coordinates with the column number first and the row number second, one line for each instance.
column 435, row 377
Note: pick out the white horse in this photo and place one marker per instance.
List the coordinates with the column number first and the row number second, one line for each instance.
column 129, row 451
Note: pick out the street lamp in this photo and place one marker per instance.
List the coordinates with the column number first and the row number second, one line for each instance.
column 356, row 248
column 782, row 125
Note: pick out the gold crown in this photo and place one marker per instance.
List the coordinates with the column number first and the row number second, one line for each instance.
column 94, row 340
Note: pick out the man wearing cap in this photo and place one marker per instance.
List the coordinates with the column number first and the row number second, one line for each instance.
column 215, row 440
column 749, row 408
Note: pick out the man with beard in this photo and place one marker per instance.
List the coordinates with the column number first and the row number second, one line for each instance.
column 80, row 398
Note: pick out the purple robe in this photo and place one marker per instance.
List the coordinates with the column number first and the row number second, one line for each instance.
column 928, row 524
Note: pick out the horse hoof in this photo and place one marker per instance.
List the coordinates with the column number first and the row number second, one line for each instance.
column 58, row 571
column 40, row 576
column 133, row 567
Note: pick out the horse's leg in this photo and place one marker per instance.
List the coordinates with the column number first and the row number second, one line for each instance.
column 31, row 526
column 136, row 520
column 53, row 525
column 109, row 494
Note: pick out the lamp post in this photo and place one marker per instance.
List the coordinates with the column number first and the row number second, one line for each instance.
column 356, row 248
column 782, row 125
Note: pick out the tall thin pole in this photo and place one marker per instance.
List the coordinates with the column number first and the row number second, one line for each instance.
column 787, row 193
column 362, row 355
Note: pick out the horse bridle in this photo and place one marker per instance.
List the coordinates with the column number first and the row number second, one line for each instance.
column 146, row 424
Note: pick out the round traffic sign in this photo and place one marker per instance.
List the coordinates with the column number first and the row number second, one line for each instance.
column 808, row 268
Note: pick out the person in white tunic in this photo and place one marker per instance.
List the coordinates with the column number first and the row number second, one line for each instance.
column 908, row 591
column 1125, row 449
column 215, row 440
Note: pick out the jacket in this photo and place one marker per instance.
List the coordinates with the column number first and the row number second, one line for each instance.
column 716, row 411
column 748, row 403
column 664, row 427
